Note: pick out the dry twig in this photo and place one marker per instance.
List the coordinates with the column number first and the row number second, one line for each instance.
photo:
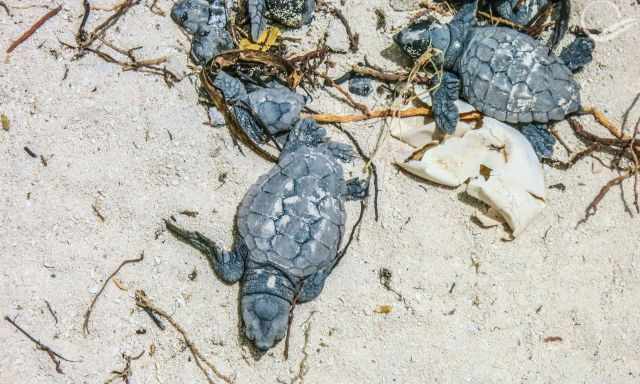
column 302, row 367
column 382, row 113
column 354, row 38
column 53, row 355
column 33, row 28
column 143, row 302
column 125, row 373
column 87, row 314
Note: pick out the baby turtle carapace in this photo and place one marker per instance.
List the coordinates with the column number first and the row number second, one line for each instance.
column 289, row 228
column 503, row 73
column 292, row 13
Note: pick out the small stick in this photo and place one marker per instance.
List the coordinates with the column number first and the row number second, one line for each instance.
column 315, row 54
column 354, row 38
column 556, row 134
column 605, row 122
column 290, row 321
column 501, row 21
column 53, row 355
column 30, row 152
column 87, row 314
column 109, row 9
column 637, row 165
column 154, row 318
column 51, row 311
column 410, row 112
column 33, row 28
column 143, row 302
column 575, row 158
column 354, row 104
column 6, row 8
column 302, row 367
column 593, row 207
column 98, row 213
column 82, row 34
column 125, row 372
column 386, row 76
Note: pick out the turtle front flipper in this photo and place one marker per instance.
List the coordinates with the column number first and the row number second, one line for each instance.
column 229, row 266
column 256, row 9
column 578, row 54
column 443, row 98
column 313, row 285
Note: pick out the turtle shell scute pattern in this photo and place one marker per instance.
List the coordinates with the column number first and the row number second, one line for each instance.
column 512, row 77
column 293, row 218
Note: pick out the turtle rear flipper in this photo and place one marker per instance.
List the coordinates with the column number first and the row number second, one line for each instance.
column 256, row 9
column 313, row 285
column 229, row 266
column 357, row 189
column 578, row 54
column 540, row 138
column 467, row 14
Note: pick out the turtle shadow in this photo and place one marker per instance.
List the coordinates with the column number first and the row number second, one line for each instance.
column 422, row 183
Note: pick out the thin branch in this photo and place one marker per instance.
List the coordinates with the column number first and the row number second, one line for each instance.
column 33, row 28
column 354, row 38
column 87, row 314
column 410, row 112
column 53, row 355
column 143, row 302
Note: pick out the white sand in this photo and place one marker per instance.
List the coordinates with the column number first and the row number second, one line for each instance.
column 579, row 284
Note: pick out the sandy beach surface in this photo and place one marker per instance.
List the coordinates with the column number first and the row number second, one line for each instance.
column 557, row 305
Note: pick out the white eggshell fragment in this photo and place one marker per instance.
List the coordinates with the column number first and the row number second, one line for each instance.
column 500, row 164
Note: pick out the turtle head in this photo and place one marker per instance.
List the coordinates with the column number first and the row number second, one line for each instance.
column 265, row 318
column 446, row 38
column 417, row 38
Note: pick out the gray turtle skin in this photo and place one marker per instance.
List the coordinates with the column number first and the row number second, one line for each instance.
column 191, row 14
column 540, row 138
column 521, row 12
column 360, row 85
column 277, row 107
column 289, row 228
column 207, row 21
column 503, row 73
column 291, row 13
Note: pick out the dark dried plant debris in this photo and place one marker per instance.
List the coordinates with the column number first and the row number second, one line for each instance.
column 87, row 314
column 189, row 213
column 29, row 32
column 146, row 304
column 54, row 356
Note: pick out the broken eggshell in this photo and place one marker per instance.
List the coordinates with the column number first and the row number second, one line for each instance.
column 498, row 161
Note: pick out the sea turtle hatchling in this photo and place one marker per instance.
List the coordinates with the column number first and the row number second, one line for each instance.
column 501, row 72
column 207, row 21
column 523, row 12
column 289, row 228
column 276, row 106
column 291, row 13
